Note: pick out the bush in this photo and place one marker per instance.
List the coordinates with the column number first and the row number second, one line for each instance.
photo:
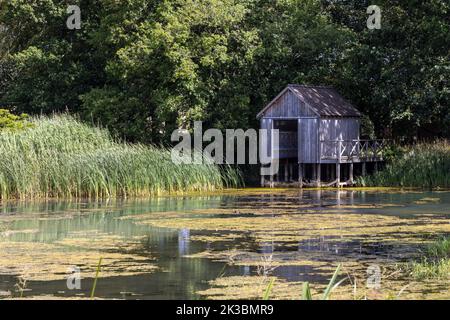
column 9, row 121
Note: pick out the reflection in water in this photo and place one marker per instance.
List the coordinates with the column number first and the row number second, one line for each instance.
column 183, row 242
column 178, row 276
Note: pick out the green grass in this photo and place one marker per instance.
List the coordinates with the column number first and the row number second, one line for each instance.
column 426, row 269
column 435, row 263
column 439, row 249
column 59, row 156
column 425, row 165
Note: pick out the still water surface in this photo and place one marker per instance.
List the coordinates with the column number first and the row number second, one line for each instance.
column 165, row 233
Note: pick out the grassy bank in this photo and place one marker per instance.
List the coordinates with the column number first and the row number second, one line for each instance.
column 425, row 165
column 61, row 157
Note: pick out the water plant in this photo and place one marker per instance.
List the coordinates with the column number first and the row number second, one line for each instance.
column 435, row 262
column 439, row 249
column 268, row 289
column 96, row 277
column 332, row 285
column 426, row 269
column 21, row 285
column 59, row 156
column 306, row 290
column 424, row 165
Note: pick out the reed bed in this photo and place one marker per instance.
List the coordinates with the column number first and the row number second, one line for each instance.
column 424, row 165
column 60, row 156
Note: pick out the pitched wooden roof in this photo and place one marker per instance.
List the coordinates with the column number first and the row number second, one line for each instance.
column 324, row 101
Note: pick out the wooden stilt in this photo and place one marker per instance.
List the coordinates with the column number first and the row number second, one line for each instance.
column 338, row 165
column 291, row 172
column 300, row 175
column 351, row 173
column 286, row 171
column 318, row 167
column 271, row 180
column 364, row 172
column 262, row 181
column 338, row 175
column 376, row 167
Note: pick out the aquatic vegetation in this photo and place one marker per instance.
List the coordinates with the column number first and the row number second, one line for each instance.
column 435, row 262
column 268, row 289
column 62, row 157
column 425, row 165
column 283, row 227
column 21, row 285
column 96, row 277
column 306, row 290
column 439, row 249
column 425, row 269
column 36, row 261
column 250, row 287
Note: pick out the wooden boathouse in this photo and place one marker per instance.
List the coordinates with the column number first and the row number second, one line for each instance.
column 318, row 138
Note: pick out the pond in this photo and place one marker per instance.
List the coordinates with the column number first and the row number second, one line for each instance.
column 221, row 245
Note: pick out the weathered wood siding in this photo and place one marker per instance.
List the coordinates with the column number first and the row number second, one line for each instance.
column 339, row 129
column 308, row 140
column 312, row 128
column 288, row 106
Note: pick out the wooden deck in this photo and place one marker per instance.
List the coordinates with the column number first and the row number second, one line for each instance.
column 347, row 151
column 335, row 153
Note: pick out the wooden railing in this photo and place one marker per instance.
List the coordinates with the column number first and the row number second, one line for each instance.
column 347, row 150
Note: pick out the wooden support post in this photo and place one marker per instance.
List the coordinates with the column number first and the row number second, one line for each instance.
column 262, row 180
column 363, row 173
column 300, row 175
column 271, row 180
column 351, row 173
column 376, row 167
column 338, row 165
column 291, row 171
column 286, row 171
column 338, row 174
column 318, row 167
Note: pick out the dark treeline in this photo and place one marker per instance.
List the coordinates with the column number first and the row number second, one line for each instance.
column 145, row 67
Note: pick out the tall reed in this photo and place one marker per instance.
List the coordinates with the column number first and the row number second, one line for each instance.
column 425, row 165
column 61, row 157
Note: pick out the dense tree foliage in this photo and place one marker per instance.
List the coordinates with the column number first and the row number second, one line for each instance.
column 399, row 74
column 145, row 67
